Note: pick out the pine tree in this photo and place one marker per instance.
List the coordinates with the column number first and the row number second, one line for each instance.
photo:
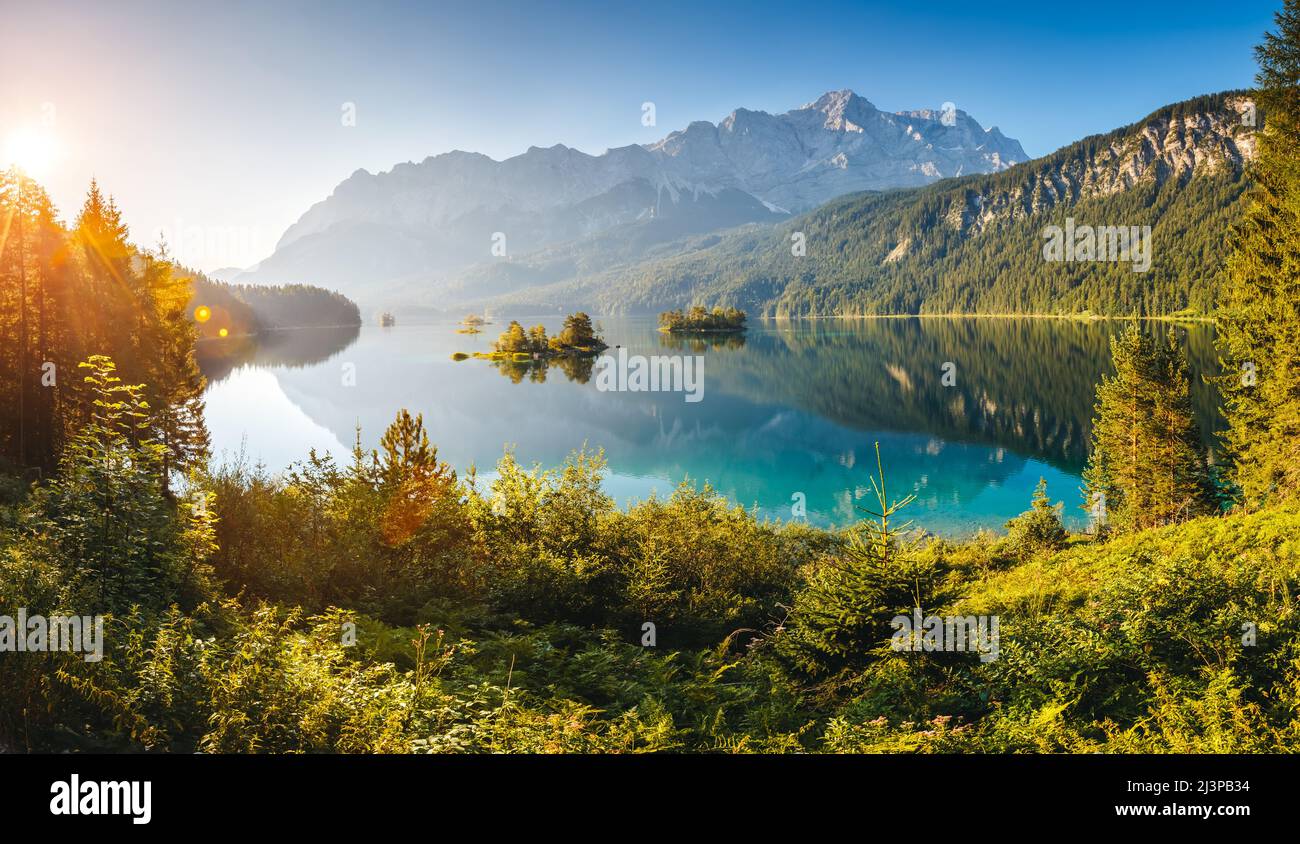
column 577, row 333
column 1259, row 311
column 175, row 383
column 107, row 516
column 513, row 339
column 406, row 450
column 840, row 622
column 537, row 341
column 1146, row 467
column 65, row 297
column 415, row 485
column 1039, row 528
column 51, row 314
column 1180, row 479
column 27, row 277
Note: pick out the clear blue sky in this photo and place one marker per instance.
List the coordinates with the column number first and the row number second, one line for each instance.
column 227, row 114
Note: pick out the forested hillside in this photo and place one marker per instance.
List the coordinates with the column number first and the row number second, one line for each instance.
column 241, row 323
column 975, row 244
column 251, row 309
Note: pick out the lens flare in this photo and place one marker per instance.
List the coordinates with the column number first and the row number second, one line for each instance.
column 29, row 149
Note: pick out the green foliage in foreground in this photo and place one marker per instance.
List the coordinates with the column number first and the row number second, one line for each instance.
column 391, row 606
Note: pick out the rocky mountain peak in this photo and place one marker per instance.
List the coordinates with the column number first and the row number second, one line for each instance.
column 421, row 220
column 844, row 110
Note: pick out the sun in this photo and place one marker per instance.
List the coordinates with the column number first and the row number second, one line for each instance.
column 31, row 150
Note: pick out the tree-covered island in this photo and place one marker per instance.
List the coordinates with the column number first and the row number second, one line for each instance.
column 698, row 320
column 578, row 338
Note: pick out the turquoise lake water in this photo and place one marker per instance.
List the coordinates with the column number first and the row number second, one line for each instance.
column 969, row 413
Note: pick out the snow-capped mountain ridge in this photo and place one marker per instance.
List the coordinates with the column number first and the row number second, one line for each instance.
column 439, row 215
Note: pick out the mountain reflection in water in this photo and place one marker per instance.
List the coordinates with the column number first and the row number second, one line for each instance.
column 790, row 407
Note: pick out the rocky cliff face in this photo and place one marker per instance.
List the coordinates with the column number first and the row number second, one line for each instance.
column 1167, row 146
column 965, row 245
column 836, row 145
column 396, row 231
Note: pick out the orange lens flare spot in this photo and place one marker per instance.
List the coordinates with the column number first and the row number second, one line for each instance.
column 202, row 313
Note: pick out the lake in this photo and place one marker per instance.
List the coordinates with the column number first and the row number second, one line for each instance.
column 969, row 413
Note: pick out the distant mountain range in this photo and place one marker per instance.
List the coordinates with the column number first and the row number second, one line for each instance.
column 424, row 233
column 964, row 245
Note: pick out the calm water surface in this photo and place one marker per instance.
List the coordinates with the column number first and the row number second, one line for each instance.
column 794, row 408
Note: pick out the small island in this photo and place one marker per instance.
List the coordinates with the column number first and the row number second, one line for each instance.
column 699, row 320
column 528, row 353
column 471, row 324
column 576, row 339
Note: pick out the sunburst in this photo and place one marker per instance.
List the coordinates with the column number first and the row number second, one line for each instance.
column 30, row 149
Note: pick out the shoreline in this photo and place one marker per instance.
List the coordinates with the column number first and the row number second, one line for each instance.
column 702, row 331
column 1068, row 317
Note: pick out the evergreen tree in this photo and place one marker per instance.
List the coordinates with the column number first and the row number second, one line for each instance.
column 1039, row 528
column 407, row 452
column 577, row 333
column 171, row 370
column 30, row 304
column 1147, row 467
column 1259, row 312
column 422, row 528
column 537, row 341
column 840, row 622
column 513, row 339
column 70, row 295
column 1179, row 478
column 106, row 516
column 102, row 238
column 52, row 342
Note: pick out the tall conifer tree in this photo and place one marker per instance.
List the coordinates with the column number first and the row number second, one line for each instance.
column 1259, row 313
column 1147, row 466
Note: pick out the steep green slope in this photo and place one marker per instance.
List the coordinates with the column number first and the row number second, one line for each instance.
column 975, row 244
column 1179, row 639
